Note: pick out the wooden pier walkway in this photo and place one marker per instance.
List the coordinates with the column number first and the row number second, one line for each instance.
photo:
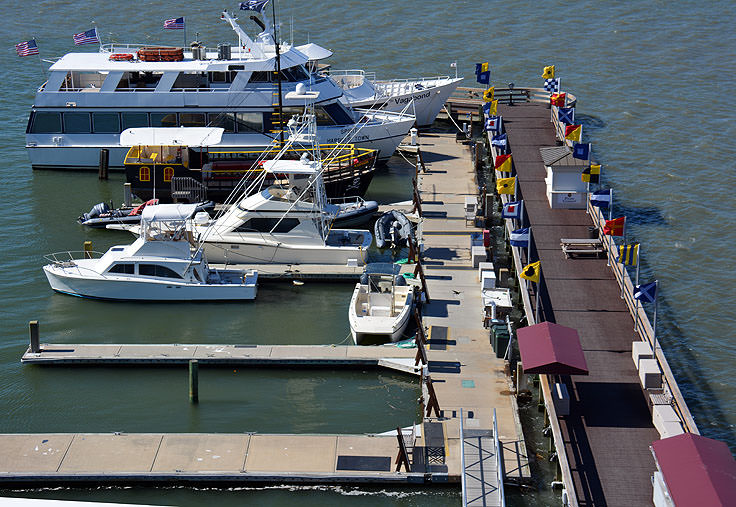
column 609, row 430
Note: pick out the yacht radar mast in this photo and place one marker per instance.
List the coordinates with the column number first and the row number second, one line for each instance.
column 244, row 42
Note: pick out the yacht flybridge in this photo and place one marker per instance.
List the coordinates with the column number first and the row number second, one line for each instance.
column 90, row 98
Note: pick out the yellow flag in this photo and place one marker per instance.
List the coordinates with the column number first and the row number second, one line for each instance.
column 493, row 108
column 506, row 185
column 488, row 95
column 531, row 272
column 484, row 67
column 549, row 72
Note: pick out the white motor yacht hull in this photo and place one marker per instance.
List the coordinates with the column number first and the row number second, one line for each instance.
column 84, row 283
column 237, row 252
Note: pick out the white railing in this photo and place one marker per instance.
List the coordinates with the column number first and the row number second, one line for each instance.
column 68, row 257
column 499, row 462
column 462, row 459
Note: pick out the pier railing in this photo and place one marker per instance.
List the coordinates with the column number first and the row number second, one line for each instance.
column 467, row 101
column 642, row 325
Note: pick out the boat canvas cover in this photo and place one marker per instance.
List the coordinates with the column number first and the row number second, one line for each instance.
column 314, row 51
column 168, row 212
column 171, row 136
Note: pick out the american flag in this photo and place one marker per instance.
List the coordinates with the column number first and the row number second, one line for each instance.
column 174, row 24
column 88, row 37
column 27, row 48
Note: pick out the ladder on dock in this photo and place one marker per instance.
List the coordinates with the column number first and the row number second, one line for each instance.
column 482, row 464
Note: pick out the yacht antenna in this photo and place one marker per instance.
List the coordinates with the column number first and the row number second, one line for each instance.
column 278, row 72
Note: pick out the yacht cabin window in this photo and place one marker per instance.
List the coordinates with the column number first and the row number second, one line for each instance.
column 157, row 270
column 132, row 120
column 191, row 120
column 192, row 80
column 222, row 120
column 76, row 80
column 249, row 122
column 105, row 123
column 76, row 123
column 46, row 123
column 163, row 120
column 267, row 224
column 122, row 267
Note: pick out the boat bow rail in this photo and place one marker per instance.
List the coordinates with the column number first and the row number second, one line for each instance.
column 67, row 258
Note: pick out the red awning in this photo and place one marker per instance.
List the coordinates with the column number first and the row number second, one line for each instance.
column 697, row 470
column 551, row 348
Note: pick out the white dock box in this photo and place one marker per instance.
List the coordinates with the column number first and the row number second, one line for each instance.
column 640, row 350
column 666, row 421
column 488, row 280
column 478, row 255
column 649, row 374
column 565, row 188
column 484, row 266
column 561, row 399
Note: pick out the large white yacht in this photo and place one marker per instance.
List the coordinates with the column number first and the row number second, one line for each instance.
column 90, row 98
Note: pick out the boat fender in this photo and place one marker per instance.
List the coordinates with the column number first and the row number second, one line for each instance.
column 121, row 57
column 400, row 281
column 364, row 279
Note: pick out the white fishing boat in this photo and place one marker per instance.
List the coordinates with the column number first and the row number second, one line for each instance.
column 163, row 264
column 288, row 222
column 381, row 305
column 90, row 98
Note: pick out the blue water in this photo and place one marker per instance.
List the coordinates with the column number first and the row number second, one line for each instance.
column 653, row 82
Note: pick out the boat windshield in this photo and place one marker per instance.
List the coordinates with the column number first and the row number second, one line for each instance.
column 382, row 268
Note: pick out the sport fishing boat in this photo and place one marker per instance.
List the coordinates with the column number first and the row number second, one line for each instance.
column 286, row 222
column 90, row 98
column 163, row 264
column 189, row 164
column 381, row 305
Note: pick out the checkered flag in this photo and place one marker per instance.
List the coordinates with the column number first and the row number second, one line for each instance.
column 552, row 85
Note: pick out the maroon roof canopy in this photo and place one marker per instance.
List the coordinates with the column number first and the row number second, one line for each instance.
column 697, row 470
column 551, row 348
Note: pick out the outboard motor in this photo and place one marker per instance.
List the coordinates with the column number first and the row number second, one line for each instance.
column 95, row 212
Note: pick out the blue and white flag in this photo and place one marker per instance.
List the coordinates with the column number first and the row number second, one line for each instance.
column 27, row 48
column 493, row 123
column 581, row 151
column 566, row 115
column 520, row 238
column 253, row 5
column 500, row 141
column 601, row 198
column 88, row 37
column 646, row 293
column 174, row 24
column 552, row 85
column 512, row 209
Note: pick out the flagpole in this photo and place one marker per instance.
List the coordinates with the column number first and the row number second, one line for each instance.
column 636, row 301
column 610, row 203
column 623, row 265
column 185, row 32
column 654, row 327
column 536, row 304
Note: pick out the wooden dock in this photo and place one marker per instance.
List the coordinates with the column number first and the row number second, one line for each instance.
column 609, row 430
column 321, row 356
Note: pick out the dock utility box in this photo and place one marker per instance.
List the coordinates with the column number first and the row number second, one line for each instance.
column 565, row 188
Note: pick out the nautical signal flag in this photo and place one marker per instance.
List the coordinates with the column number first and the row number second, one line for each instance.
column 573, row 132
column 558, row 99
column 512, row 209
column 27, row 48
column 520, row 238
column 582, row 151
column 531, row 272
column 253, row 5
column 492, row 107
column 503, row 163
column 566, row 115
column 549, row 72
column 628, row 254
column 592, row 174
column 482, row 73
column 506, row 185
column 493, row 123
column 647, row 292
column 615, row 227
column 552, row 85
column 488, row 95
column 601, row 198
column 500, row 141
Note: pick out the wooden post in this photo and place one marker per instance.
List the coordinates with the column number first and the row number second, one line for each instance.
column 33, row 331
column 420, row 158
column 104, row 163
column 127, row 194
column 87, row 249
column 403, row 457
column 419, row 270
column 421, row 341
column 432, row 403
column 194, row 381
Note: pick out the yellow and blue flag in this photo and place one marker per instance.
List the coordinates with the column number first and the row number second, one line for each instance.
column 628, row 254
column 531, row 272
column 506, row 185
column 591, row 174
column 483, row 73
column 549, row 72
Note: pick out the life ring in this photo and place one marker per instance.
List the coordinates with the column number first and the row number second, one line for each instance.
column 121, row 57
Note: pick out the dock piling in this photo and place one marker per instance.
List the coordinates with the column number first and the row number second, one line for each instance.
column 194, row 381
column 104, row 163
column 127, row 194
column 33, row 331
column 87, row 249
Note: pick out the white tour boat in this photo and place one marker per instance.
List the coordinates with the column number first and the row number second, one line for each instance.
column 380, row 308
column 161, row 265
column 90, row 98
